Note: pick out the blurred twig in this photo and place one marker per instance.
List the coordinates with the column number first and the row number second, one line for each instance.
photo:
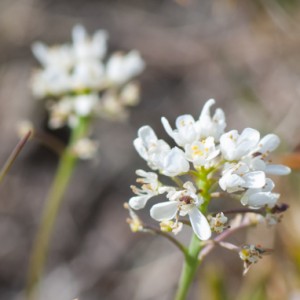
column 11, row 159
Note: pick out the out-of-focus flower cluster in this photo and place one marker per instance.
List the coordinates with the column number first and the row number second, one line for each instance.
column 78, row 81
column 206, row 160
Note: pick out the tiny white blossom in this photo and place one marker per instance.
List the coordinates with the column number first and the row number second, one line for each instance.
column 174, row 163
column 134, row 221
column 87, row 75
column 250, row 254
column 234, row 146
column 211, row 126
column 186, row 131
column 149, row 189
column 238, row 177
column 84, row 104
column 130, row 94
column 257, row 159
column 217, row 223
column 87, row 48
column 150, row 148
column 60, row 112
column 121, row 68
column 202, row 153
column 259, row 197
column 170, row 226
column 159, row 155
column 85, row 148
column 57, row 57
column 183, row 202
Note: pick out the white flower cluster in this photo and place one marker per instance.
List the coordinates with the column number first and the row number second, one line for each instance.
column 237, row 161
column 80, row 82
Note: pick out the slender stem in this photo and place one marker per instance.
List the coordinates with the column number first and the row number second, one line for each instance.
column 189, row 268
column 157, row 231
column 246, row 222
column 52, row 206
column 244, row 210
column 5, row 169
column 192, row 262
column 177, row 180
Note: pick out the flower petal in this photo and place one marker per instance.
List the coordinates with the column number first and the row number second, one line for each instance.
column 231, row 182
column 248, row 139
column 255, row 179
column 167, row 126
column 277, row 169
column 147, row 135
column 175, row 163
column 139, row 202
column 261, row 199
column 206, row 109
column 164, row 211
column 269, row 143
column 140, row 148
column 199, row 224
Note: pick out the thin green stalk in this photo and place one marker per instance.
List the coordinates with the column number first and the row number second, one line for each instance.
column 192, row 261
column 63, row 175
column 189, row 268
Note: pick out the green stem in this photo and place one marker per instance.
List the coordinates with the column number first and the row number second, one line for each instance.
column 63, row 175
column 192, row 261
column 189, row 268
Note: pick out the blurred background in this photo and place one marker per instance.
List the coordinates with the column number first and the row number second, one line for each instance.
column 245, row 54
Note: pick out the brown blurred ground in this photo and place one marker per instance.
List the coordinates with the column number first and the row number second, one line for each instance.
column 245, row 54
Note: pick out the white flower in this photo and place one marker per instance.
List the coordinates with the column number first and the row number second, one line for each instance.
column 211, row 126
column 217, row 223
column 202, row 153
column 121, row 68
column 84, row 105
column 234, row 146
column 170, row 226
column 60, row 112
column 150, row 148
column 85, row 148
column 87, row 75
column 87, row 48
column 158, row 154
column 111, row 108
column 50, row 81
column 57, row 57
column 186, row 131
column 183, row 202
column 149, row 189
column 189, row 131
column 259, row 197
column 250, row 254
column 174, row 163
column 130, row 94
column 134, row 221
column 257, row 160
column 238, row 177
